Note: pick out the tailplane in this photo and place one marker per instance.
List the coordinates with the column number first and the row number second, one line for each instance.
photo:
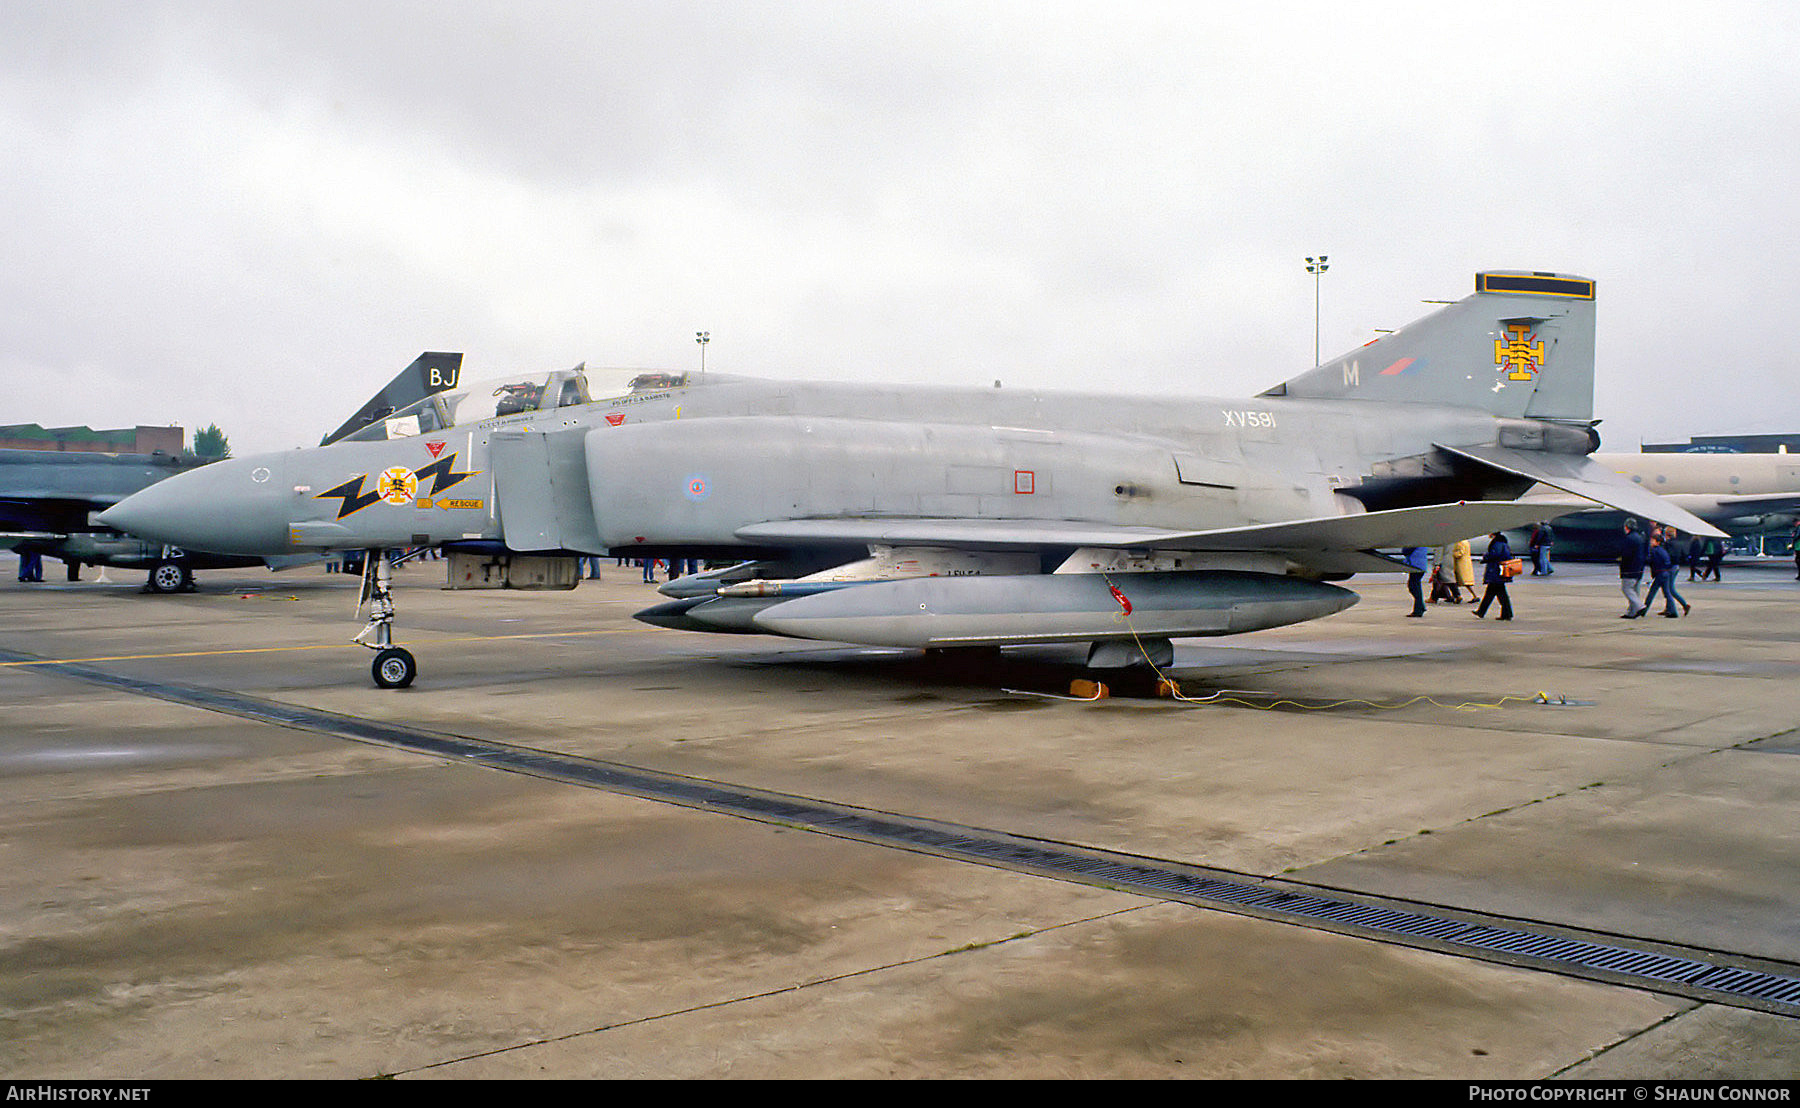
column 1521, row 347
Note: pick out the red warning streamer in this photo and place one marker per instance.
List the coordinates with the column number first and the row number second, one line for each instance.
column 1120, row 597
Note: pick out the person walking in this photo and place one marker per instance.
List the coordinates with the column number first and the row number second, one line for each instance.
column 1633, row 549
column 1416, row 564
column 1465, row 567
column 1715, row 556
column 1541, row 538
column 1494, row 575
column 1663, row 567
column 1443, row 579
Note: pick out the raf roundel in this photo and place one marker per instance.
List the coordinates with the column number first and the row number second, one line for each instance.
column 697, row 488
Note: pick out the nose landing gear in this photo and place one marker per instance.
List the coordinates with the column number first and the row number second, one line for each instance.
column 394, row 667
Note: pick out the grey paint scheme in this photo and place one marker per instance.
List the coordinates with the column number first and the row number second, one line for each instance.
column 48, row 498
column 1417, row 439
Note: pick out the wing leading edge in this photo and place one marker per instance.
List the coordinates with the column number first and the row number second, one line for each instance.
column 1584, row 477
column 1328, row 544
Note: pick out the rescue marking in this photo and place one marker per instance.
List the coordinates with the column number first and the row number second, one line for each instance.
column 449, row 504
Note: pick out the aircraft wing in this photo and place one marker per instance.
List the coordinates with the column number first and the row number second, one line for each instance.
column 974, row 534
column 1327, row 544
column 1717, row 510
column 1732, row 507
column 1587, row 478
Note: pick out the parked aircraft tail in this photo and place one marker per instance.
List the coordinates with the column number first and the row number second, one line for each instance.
column 430, row 373
column 1521, row 347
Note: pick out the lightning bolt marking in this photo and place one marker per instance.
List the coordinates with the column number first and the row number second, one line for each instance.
column 350, row 496
column 443, row 473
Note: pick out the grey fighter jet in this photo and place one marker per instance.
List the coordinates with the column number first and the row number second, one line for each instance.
column 48, row 499
column 943, row 518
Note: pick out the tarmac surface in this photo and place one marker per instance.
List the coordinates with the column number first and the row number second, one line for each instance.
column 187, row 892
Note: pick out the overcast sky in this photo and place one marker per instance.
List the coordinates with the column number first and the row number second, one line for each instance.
column 255, row 213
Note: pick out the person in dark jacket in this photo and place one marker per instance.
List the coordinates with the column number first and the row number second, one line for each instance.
column 1542, row 538
column 1493, row 575
column 1417, row 562
column 1663, row 567
column 1633, row 549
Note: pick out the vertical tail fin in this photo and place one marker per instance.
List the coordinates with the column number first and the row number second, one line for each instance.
column 429, row 373
column 1521, row 347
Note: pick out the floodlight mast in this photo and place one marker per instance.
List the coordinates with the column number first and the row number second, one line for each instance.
column 1316, row 267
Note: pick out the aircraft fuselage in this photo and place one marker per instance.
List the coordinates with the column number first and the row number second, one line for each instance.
column 694, row 466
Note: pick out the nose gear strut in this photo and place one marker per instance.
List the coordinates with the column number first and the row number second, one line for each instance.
column 394, row 667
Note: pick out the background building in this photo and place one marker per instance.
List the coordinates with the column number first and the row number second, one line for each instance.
column 124, row 440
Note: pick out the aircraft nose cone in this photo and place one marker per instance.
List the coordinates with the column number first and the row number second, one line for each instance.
column 228, row 507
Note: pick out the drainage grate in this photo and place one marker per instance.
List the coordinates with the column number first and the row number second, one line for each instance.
column 1693, row 976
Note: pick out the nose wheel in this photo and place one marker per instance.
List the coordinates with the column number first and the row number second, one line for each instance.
column 394, row 668
column 171, row 574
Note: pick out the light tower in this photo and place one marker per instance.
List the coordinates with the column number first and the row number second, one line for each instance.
column 1316, row 267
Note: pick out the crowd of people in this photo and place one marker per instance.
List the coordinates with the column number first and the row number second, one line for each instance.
column 1654, row 551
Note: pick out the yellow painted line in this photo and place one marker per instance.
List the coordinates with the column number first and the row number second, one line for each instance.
column 184, row 654
column 321, row 646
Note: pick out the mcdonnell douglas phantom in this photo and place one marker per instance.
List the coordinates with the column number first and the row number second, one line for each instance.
column 49, row 500
column 944, row 518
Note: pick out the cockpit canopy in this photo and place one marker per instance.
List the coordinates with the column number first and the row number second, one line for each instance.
column 515, row 395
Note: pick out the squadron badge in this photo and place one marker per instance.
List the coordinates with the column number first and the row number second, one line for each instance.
column 397, row 486
column 1518, row 355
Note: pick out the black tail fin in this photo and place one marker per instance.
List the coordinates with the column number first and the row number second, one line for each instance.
column 1521, row 347
column 430, row 373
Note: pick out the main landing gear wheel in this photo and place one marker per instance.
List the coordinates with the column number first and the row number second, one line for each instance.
column 394, row 668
